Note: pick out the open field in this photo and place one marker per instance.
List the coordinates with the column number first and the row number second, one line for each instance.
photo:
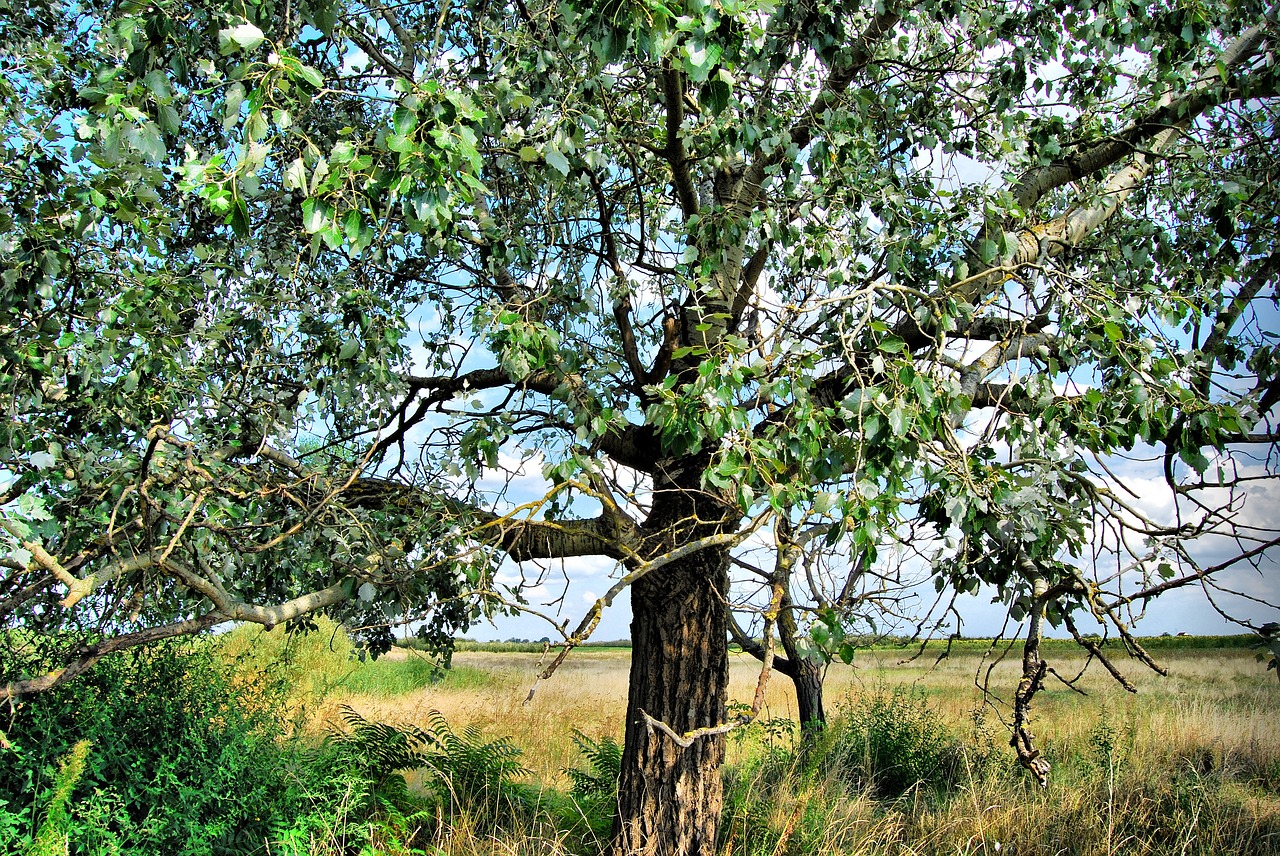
column 1219, row 702
column 914, row 760
column 1190, row 764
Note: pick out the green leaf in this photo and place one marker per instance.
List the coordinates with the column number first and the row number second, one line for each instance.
column 898, row 421
column 295, row 177
column 231, row 106
column 150, row 142
column 315, row 216
column 351, row 226
column 242, row 37
column 343, row 152
column 404, row 121
column 987, row 251
column 892, row 345
column 556, row 160
column 311, row 76
column 170, row 119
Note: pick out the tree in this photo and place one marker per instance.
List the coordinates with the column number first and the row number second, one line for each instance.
column 288, row 287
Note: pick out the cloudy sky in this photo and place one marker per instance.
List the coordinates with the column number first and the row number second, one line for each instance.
column 564, row 590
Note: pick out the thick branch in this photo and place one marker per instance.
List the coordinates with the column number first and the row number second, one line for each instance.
column 681, row 179
column 629, row 445
column 1142, row 143
column 1171, row 111
column 91, row 654
column 639, row 568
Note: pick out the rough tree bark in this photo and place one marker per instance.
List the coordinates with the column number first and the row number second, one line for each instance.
column 669, row 795
column 807, row 677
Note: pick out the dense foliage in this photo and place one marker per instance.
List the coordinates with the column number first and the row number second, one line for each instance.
column 327, row 305
column 180, row 758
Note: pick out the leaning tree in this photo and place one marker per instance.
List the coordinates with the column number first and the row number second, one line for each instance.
column 289, row 287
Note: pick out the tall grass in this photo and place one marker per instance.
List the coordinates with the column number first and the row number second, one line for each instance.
column 1188, row 766
column 465, row 762
column 1116, row 790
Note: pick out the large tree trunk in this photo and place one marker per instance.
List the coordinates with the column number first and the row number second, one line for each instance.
column 670, row 797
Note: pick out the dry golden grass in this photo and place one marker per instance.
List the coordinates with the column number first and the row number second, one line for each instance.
column 589, row 693
column 1217, row 707
column 1190, row 765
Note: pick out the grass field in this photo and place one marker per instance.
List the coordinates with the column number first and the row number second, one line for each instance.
column 1188, row 765
column 214, row 746
column 1219, row 698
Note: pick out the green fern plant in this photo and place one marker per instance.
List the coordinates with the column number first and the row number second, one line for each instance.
column 465, row 769
column 604, row 765
column 376, row 806
column 379, row 750
column 595, row 789
column 468, row 768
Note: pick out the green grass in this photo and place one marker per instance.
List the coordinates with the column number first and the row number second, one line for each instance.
column 386, row 677
column 533, row 647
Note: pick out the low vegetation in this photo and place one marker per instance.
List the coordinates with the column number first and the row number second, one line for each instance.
column 265, row 743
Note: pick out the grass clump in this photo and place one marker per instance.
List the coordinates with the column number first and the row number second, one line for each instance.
column 387, row 678
column 892, row 741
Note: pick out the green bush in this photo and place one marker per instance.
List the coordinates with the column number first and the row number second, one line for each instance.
column 184, row 750
column 891, row 741
column 181, row 760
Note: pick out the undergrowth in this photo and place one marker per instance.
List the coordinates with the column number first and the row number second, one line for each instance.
column 189, row 748
column 889, row 776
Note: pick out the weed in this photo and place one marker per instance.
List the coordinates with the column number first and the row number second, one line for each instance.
column 893, row 741
column 51, row 838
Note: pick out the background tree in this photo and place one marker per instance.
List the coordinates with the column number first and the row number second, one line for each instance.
column 721, row 269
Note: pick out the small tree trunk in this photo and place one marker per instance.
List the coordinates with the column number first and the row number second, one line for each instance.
column 805, row 672
column 670, row 797
column 807, row 677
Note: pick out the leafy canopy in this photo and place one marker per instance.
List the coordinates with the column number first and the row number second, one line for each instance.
column 291, row 291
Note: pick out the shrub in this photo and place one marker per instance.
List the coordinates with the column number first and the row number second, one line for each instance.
column 51, row 838
column 891, row 741
column 181, row 759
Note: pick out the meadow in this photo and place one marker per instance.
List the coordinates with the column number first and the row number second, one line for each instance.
column 915, row 760
column 1188, row 764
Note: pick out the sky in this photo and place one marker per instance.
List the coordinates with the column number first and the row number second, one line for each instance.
column 568, row 588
